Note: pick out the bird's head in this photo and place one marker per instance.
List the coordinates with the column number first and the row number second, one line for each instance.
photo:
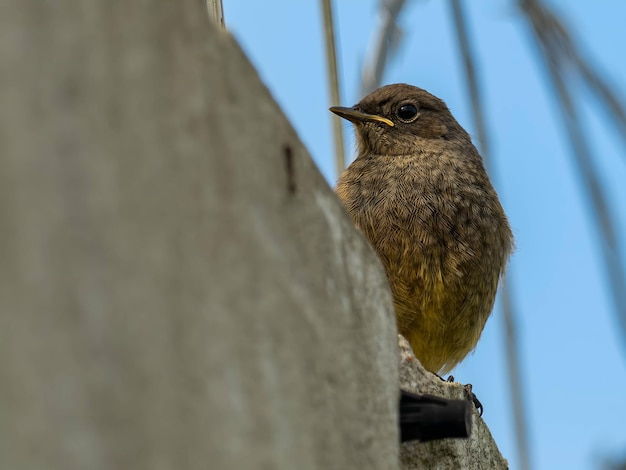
column 401, row 119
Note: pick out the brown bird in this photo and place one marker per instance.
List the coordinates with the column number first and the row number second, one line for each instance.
column 420, row 194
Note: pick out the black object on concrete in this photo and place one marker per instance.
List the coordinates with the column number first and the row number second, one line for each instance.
column 426, row 417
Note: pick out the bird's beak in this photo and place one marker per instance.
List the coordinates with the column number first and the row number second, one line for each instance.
column 354, row 115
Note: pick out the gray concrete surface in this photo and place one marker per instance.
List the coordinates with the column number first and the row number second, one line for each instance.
column 179, row 287
column 479, row 452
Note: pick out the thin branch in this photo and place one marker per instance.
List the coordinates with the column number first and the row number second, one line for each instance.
column 554, row 34
column 608, row 100
column 508, row 307
column 333, row 84
column 384, row 45
column 554, row 49
column 516, row 384
column 473, row 89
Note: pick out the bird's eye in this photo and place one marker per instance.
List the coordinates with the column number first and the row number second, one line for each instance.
column 407, row 113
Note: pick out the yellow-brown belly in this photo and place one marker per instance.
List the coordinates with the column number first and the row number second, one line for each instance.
column 443, row 251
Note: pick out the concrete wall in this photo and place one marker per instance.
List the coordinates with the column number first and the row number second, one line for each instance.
column 179, row 287
column 478, row 452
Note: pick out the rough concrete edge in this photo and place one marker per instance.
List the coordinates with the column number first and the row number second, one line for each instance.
column 479, row 451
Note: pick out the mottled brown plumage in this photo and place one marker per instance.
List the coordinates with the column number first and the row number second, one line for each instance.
column 419, row 192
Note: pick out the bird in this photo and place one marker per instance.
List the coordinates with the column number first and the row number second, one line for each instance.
column 419, row 192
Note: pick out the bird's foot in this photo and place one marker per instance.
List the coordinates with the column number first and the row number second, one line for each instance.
column 450, row 378
column 469, row 394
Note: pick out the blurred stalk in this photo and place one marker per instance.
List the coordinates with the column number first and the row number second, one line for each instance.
column 561, row 57
column 554, row 36
column 506, row 300
column 333, row 85
column 384, row 45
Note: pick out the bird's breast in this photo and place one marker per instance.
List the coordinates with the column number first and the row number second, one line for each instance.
column 425, row 210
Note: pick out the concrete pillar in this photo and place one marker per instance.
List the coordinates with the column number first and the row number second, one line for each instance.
column 179, row 287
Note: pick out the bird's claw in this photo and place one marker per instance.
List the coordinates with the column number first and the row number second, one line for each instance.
column 450, row 378
column 469, row 393
column 471, row 396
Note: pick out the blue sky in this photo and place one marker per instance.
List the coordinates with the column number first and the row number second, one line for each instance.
column 574, row 358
